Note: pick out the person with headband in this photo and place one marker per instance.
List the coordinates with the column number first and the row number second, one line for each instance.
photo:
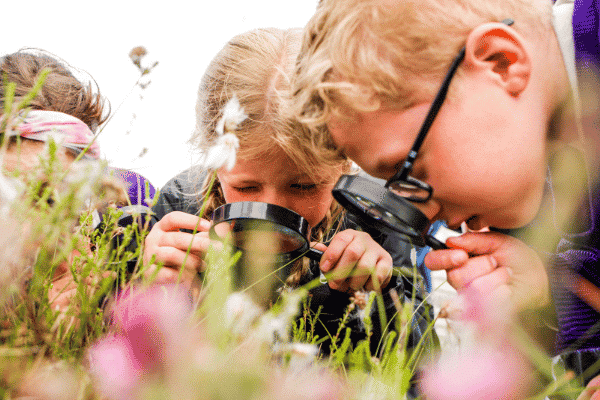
column 272, row 166
column 513, row 144
column 69, row 112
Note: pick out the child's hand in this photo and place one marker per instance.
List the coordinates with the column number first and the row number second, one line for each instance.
column 495, row 265
column 169, row 246
column 355, row 259
column 592, row 390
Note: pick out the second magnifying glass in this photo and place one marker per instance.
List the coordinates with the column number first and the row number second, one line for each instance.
column 382, row 210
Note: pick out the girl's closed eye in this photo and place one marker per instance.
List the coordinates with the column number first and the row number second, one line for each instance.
column 245, row 189
column 304, row 186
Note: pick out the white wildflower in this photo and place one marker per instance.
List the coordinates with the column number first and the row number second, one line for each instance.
column 10, row 190
column 304, row 349
column 81, row 184
column 274, row 328
column 233, row 115
column 222, row 153
column 300, row 355
column 241, row 312
column 453, row 308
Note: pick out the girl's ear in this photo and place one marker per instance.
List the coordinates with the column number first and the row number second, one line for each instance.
column 499, row 50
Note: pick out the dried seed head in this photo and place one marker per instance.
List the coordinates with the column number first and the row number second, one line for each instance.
column 136, row 54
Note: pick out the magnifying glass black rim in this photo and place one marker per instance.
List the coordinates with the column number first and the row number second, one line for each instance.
column 414, row 223
column 257, row 210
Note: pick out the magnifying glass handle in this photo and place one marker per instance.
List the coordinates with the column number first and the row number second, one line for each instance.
column 437, row 241
column 314, row 254
column 434, row 243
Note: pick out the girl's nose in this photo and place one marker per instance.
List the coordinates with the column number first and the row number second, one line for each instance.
column 273, row 197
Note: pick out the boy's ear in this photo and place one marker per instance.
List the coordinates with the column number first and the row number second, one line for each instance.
column 499, row 49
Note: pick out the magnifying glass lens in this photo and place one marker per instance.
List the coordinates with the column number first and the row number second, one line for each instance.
column 408, row 191
column 373, row 210
column 259, row 236
column 381, row 209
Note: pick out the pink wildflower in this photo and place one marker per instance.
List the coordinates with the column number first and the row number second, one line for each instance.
column 482, row 373
column 115, row 369
column 312, row 383
column 489, row 315
column 488, row 366
column 151, row 328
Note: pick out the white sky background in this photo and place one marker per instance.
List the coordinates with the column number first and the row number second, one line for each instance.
column 183, row 36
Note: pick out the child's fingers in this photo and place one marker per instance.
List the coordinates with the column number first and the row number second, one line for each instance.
column 472, row 269
column 63, row 300
column 164, row 276
column 334, row 251
column 362, row 272
column 383, row 274
column 462, row 246
column 176, row 220
column 319, row 246
column 490, row 282
column 172, row 257
column 478, row 243
column 345, row 274
column 445, row 259
column 183, row 241
column 592, row 390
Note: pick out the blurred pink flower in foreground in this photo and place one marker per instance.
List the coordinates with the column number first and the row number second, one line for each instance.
column 150, row 331
column 484, row 372
column 311, row 383
column 488, row 366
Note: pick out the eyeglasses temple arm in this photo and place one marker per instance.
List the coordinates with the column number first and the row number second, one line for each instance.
column 402, row 174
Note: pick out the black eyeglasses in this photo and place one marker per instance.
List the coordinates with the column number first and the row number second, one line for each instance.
column 389, row 209
column 402, row 183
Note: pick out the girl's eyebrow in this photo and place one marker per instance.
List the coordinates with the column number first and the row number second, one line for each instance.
column 243, row 180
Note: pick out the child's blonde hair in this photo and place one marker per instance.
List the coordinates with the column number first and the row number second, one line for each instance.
column 360, row 55
column 255, row 66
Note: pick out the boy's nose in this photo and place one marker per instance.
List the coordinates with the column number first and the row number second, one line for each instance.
column 431, row 208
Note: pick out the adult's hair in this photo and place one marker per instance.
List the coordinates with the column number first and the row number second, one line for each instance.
column 62, row 91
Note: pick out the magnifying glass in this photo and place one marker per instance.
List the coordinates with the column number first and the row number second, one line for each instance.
column 381, row 209
column 258, row 228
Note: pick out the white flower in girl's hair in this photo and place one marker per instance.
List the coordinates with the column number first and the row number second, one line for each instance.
column 222, row 153
column 233, row 115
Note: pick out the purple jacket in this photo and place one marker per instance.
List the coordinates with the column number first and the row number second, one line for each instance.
column 579, row 253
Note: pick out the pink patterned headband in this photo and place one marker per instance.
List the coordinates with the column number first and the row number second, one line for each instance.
column 66, row 130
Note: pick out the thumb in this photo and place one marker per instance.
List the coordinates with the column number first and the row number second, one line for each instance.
column 478, row 243
column 318, row 246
